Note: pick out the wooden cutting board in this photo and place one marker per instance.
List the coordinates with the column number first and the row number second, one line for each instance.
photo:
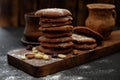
column 40, row 67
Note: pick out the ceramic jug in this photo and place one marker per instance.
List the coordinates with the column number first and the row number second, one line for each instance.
column 101, row 18
column 31, row 31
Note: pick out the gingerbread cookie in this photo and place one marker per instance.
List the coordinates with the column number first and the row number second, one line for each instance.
column 57, row 45
column 61, row 28
column 54, row 40
column 85, row 46
column 55, row 24
column 58, row 19
column 83, row 42
column 57, row 34
column 53, row 12
column 82, row 39
column 52, row 50
column 88, row 32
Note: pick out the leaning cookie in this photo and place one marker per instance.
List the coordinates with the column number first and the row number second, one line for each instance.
column 88, row 32
column 54, row 40
column 53, row 12
column 61, row 28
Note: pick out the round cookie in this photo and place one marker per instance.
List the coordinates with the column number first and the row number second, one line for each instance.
column 85, row 46
column 55, row 24
column 82, row 39
column 53, row 12
column 88, row 32
column 61, row 28
column 60, row 19
column 58, row 34
column 52, row 51
column 54, row 40
column 57, row 45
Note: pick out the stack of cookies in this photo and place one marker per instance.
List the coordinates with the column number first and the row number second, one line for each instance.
column 85, row 38
column 56, row 28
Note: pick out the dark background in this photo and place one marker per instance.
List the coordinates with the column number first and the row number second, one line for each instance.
column 12, row 16
column 12, row 11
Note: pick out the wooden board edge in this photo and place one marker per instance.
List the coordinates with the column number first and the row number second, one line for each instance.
column 37, row 71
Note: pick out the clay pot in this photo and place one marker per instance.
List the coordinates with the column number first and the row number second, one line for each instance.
column 101, row 18
column 31, row 31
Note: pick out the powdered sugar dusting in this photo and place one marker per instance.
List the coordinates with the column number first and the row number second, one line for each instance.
column 82, row 38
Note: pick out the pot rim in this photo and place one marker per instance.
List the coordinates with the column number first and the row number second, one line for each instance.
column 100, row 6
column 30, row 14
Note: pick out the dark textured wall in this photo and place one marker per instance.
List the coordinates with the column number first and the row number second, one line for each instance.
column 12, row 11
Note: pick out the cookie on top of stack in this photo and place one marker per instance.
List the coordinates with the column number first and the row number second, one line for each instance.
column 85, row 38
column 56, row 28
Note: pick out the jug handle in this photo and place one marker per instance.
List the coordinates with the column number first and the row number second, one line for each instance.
column 114, row 14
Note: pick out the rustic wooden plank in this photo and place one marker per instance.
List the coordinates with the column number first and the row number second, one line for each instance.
column 82, row 11
column 17, row 8
column 9, row 13
column 72, row 6
column 26, row 6
column 105, row 1
column 40, row 67
column 5, row 13
column 15, row 13
column 117, row 4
